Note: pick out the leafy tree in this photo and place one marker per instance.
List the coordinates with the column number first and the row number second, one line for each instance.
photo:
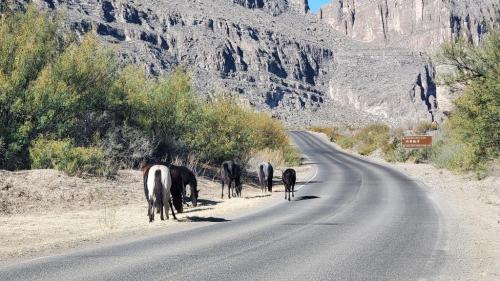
column 29, row 43
column 475, row 122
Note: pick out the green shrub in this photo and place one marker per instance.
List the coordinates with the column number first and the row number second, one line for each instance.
column 63, row 156
column 346, row 142
column 291, row 155
column 372, row 137
column 394, row 152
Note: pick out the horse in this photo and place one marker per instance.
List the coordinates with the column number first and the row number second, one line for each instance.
column 157, row 184
column 182, row 176
column 265, row 173
column 231, row 172
column 289, row 179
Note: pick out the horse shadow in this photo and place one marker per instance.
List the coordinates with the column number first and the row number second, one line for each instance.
column 306, row 197
column 196, row 210
column 258, row 196
column 308, row 182
column 206, row 219
column 207, row 202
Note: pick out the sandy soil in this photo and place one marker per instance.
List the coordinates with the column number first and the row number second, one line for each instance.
column 45, row 211
column 471, row 212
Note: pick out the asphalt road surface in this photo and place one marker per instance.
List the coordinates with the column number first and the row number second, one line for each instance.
column 355, row 220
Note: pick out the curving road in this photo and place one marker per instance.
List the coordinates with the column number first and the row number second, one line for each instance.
column 355, row 220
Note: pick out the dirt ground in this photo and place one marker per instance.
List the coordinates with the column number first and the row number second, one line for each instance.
column 44, row 211
column 471, row 212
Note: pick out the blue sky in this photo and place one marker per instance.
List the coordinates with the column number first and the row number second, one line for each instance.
column 316, row 4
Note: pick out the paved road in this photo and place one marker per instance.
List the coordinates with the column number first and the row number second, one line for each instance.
column 354, row 221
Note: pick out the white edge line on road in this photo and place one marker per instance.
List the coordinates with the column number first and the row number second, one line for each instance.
column 310, row 179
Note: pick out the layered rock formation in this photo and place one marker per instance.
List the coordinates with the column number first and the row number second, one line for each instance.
column 418, row 24
column 276, row 7
column 291, row 64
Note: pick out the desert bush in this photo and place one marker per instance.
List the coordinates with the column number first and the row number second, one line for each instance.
column 64, row 156
column 424, row 127
column 267, row 132
column 394, row 152
column 372, row 137
column 346, row 141
column 331, row 133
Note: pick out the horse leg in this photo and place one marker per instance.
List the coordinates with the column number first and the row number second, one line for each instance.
column 293, row 190
column 222, row 194
column 161, row 214
column 229, row 188
column 173, row 213
column 183, row 194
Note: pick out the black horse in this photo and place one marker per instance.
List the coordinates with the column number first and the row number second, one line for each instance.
column 265, row 173
column 182, row 176
column 231, row 172
column 289, row 179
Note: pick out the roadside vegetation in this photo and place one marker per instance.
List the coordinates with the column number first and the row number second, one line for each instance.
column 67, row 103
column 470, row 139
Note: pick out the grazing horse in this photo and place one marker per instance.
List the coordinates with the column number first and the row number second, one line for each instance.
column 182, row 176
column 265, row 173
column 157, row 184
column 289, row 179
column 231, row 172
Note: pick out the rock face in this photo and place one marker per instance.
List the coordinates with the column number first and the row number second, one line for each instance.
column 418, row 24
column 276, row 7
column 291, row 65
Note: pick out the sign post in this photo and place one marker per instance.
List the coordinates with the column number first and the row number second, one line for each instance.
column 416, row 141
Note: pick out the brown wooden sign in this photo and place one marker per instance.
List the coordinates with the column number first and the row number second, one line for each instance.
column 416, row 141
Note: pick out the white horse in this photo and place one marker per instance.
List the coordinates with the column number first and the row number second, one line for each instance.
column 265, row 173
column 157, row 184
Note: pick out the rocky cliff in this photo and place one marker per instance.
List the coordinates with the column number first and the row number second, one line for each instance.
column 282, row 61
column 418, row 24
column 276, row 7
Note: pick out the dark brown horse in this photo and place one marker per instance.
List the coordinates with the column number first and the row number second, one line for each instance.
column 289, row 179
column 182, row 176
column 230, row 173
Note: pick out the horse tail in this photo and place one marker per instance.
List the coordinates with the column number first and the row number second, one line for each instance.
column 227, row 169
column 261, row 174
column 269, row 177
column 145, row 178
column 158, row 189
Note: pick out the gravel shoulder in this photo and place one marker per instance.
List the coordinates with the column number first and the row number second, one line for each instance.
column 471, row 218
column 44, row 212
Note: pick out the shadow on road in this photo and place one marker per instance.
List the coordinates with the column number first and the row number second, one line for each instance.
column 316, row 223
column 300, row 198
column 308, row 182
column 206, row 219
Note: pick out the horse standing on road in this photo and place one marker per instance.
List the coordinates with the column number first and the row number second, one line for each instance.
column 289, row 179
column 157, row 184
column 230, row 173
column 265, row 173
